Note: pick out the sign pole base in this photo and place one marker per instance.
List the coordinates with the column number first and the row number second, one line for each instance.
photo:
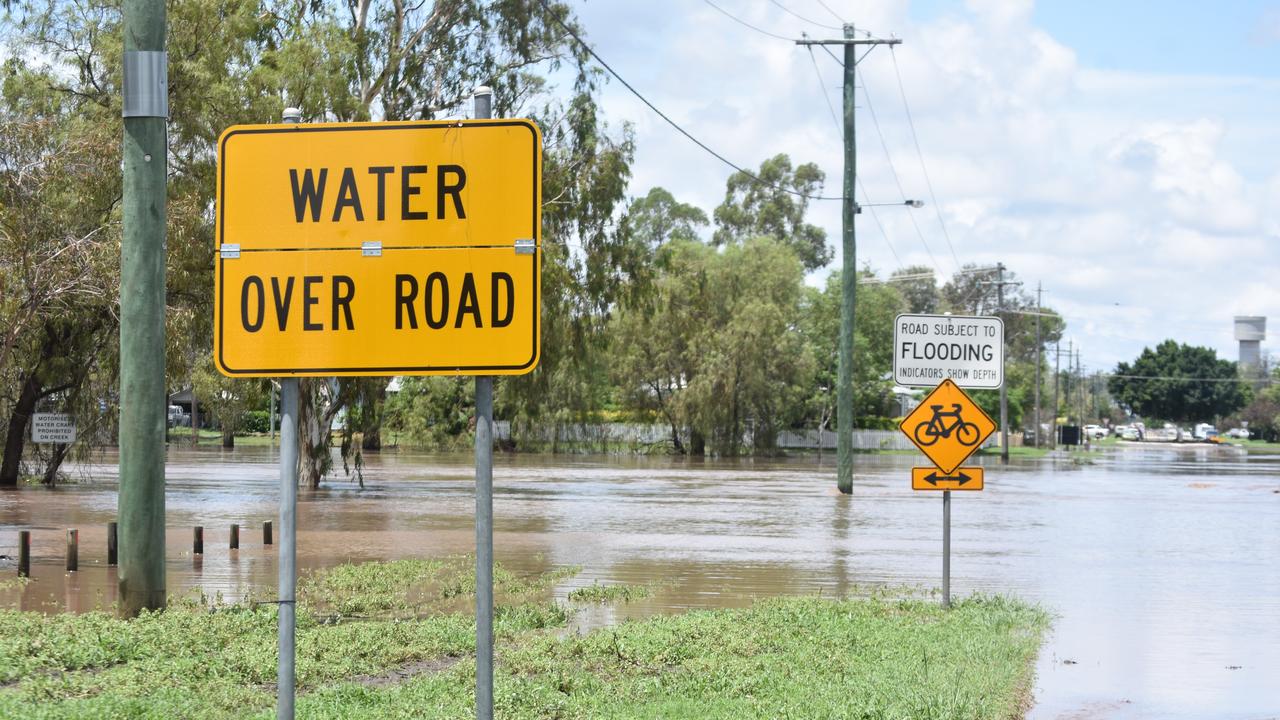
column 946, row 549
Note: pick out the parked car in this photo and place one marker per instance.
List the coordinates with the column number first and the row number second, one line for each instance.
column 1238, row 433
column 1128, row 432
column 1096, row 432
column 1203, row 431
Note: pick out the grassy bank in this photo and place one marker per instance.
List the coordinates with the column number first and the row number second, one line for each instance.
column 395, row 640
column 1021, row 451
column 1257, row 446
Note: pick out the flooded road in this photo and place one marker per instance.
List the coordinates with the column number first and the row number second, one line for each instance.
column 1161, row 565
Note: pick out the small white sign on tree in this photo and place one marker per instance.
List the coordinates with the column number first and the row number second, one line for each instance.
column 55, row 428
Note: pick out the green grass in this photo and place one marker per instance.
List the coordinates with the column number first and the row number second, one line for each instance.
column 792, row 657
column 598, row 593
column 1257, row 446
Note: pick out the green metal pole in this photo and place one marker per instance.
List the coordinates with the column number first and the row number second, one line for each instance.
column 142, row 306
column 848, row 280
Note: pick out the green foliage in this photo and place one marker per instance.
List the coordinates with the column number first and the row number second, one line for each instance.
column 590, row 261
column 255, row 421
column 877, row 305
column 432, row 412
column 229, row 399
column 1263, row 417
column 1179, row 382
column 919, row 288
column 716, row 348
column 776, row 209
column 658, row 218
column 59, row 244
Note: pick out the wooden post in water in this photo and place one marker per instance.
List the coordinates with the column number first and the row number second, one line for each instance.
column 235, row 536
column 266, row 532
column 73, row 550
column 197, row 541
column 113, row 548
column 24, row 553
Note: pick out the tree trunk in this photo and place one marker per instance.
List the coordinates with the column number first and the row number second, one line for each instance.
column 15, row 440
column 55, row 462
column 195, row 417
column 697, row 444
column 319, row 400
column 371, row 417
column 228, row 438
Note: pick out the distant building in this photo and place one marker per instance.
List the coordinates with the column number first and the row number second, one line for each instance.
column 1251, row 330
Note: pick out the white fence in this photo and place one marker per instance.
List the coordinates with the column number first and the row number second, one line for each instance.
column 644, row 434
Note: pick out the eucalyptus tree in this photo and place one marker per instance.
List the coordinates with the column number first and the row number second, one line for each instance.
column 243, row 61
column 773, row 203
column 58, row 237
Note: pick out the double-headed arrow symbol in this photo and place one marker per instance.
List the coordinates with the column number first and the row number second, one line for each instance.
column 934, row 478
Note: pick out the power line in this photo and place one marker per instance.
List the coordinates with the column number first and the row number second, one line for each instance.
column 833, row 12
column 794, row 14
column 840, row 128
column 744, row 23
column 823, row 86
column 876, row 217
column 916, row 139
column 591, row 51
column 1184, row 379
column 889, row 158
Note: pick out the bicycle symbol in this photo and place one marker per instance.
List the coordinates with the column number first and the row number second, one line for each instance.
column 930, row 432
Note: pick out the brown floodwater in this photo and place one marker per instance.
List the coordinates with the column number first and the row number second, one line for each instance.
column 1161, row 565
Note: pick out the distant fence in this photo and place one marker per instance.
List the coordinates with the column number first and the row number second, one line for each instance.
column 603, row 434
column 862, row 440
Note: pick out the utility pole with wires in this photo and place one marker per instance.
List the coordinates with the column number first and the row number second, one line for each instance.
column 1080, row 384
column 849, row 257
column 1039, row 347
column 1000, row 282
column 1057, row 370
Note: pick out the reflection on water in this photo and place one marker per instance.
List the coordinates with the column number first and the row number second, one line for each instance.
column 1162, row 565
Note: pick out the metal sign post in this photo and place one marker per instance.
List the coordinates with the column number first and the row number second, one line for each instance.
column 946, row 548
column 948, row 427
column 287, row 565
column 288, row 544
column 376, row 249
column 484, row 510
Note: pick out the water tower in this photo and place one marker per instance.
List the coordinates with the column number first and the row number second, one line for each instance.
column 1251, row 330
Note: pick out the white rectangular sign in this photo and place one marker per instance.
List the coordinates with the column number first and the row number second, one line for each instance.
column 966, row 349
column 52, row 428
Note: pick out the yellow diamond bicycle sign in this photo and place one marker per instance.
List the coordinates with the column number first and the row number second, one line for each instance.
column 948, row 426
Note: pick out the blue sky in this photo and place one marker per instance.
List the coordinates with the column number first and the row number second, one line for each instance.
column 1124, row 154
column 1238, row 37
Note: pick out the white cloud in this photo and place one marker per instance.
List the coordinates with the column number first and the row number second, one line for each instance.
column 1147, row 204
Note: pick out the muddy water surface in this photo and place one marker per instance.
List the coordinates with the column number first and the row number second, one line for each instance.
column 1162, row 565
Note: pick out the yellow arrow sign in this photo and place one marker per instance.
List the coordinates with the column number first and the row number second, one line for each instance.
column 931, row 478
column 948, row 426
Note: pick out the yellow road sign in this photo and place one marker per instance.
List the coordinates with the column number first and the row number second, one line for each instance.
column 379, row 249
column 948, row 426
column 469, row 183
column 931, row 478
column 408, row 311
